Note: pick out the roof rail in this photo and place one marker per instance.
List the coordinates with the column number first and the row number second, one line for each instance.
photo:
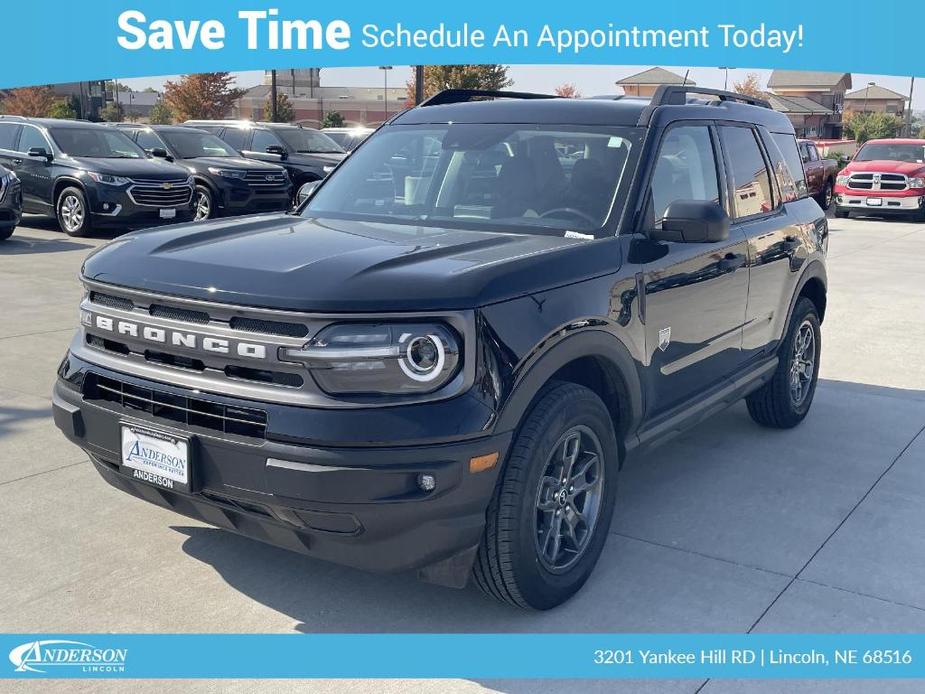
column 458, row 96
column 18, row 119
column 676, row 95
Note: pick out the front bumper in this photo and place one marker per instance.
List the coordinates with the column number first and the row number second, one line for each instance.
column 240, row 198
column 11, row 205
column 112, row 206
column 875, row 203
column 358, row 506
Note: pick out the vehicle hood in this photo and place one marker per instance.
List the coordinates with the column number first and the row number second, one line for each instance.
column 131, row 168
column 885, row 166
column 292, row 263
column 319, row 159
column 203, row 163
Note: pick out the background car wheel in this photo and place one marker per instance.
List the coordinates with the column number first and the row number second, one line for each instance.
column 6, row 232
column 548, row 519
column 825, row 196
column 73, row 213
column 842, row 214
column 785, row 400
column 203, row 204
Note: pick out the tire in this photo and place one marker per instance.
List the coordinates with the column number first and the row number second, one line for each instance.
column 203, row 204
column 6, row 232
column 842, row 214
column 777, row 404
column 825, row 196
column 72, row 212
column 510, row 565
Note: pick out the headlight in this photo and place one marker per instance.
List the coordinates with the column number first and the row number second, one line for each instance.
column 376, row 358
column 917, row 182
column 108, row 179
column 228, row 173
column 842, row 180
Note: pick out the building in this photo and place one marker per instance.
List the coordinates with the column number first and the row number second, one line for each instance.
column 875, row 99
column 809, row 117
column 311, row 101
column 136, row 106
column 813, row 92
column 645, row 83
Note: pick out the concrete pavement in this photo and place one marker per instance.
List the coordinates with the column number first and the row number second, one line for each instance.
column 728, row 528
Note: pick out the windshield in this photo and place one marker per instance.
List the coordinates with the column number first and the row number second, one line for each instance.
column 908, row 151
column 96, row 143
column 531, row 178
column 308, row 141
column 192, row 145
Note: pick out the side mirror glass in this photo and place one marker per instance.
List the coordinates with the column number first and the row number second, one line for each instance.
column 306, row 191
column 40, row 152
column 277, row 149
column 158, row 153
column 693, row 221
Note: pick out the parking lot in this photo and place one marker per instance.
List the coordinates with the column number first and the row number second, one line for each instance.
column 731, row 528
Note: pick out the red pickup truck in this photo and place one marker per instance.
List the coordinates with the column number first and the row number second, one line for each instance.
column 885, row 177
column 820, row 173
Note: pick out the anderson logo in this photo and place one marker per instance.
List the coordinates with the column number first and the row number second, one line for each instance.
column 156, row 457
column 46, row 656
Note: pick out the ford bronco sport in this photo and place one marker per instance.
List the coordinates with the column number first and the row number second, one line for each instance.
column 442, row 360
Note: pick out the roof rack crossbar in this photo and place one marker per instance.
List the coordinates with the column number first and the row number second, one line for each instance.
column 676, row 95
column 456, row 96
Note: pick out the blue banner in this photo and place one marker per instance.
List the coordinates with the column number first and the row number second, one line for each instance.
column 52, row 41
column 592, row 656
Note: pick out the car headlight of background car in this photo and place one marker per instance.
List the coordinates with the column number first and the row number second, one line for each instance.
column 108, row 179
column 228, row 173
column 6, row 181
column 380, row 358
column 842, row 179
column 917, row 182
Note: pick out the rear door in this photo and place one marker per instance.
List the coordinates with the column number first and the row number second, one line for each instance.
column 813, row 167
column 696, row 293
column 9, row 134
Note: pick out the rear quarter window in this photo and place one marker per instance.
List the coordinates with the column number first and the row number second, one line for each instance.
column 787, row 147
column 8, row 132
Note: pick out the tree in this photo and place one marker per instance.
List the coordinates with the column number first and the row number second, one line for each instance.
column 332, row 119
column 568, row 90
column 869, row 126
column 29, row 101
column 161, row 114
column 750, row 86
column 439, row 77
column 285, row 113
column 207, row 95
column 62, row 109
column 113, row 113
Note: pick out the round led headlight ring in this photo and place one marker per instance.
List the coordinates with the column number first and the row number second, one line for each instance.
column 424, row 357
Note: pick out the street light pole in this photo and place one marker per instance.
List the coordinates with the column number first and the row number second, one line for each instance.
column 385, row 89
column 909, row 108
column 274, row 114
column 418, row 84
column 867, row 94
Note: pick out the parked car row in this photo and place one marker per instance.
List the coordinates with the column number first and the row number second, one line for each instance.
column 124, row 175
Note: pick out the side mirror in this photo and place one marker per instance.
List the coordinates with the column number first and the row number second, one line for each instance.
column 277, row 149
column 159, row 153
column 40, row 152
column 693, row 221
column 306, row 191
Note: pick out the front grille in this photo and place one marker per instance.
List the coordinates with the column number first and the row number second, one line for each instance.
column 177, row 193
column 111, row 301
column 877, row 181
column 269, row 327
column 265, row 180
column 194, row 413
column 180, row 314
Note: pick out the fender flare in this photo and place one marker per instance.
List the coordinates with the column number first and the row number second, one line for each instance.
column 815, row 269
column 592, row 342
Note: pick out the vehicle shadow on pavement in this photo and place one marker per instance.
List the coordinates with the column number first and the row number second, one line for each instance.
column 11, row 417
column 678, row 540
column 23, row 245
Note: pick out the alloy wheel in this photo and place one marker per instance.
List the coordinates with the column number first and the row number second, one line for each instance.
column 203, row 207
column 72, row 213
column 803, row 363
column 568, row 500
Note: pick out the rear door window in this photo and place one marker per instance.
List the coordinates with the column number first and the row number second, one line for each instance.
column 8, row 134
column 751, row 181
column 236, row 137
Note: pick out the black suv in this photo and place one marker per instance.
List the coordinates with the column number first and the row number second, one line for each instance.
column 442, row 363
column 10, row 203
column 226, row 183
column 307, row 154
column 90, row 176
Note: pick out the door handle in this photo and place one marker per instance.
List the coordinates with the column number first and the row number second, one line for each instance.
column 732, row 262
column 791, row 243
column 17, row 162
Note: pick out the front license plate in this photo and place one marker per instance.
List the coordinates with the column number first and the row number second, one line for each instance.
column 155, row 457
column 168, row 213
column 874, row 202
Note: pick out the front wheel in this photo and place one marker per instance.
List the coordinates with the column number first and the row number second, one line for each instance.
column 548, row 519
column 203, row 204
column 784, row 401
column 73, row 213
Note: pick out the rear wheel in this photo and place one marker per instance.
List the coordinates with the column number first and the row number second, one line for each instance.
column 825, row 196
column 785, row 400
column 73, row 213
column 548, row 520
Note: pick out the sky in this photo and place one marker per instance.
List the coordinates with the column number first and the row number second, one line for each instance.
column 591, row 80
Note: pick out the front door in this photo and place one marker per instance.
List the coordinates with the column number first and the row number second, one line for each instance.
column 34, row 172
column 695, row 293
